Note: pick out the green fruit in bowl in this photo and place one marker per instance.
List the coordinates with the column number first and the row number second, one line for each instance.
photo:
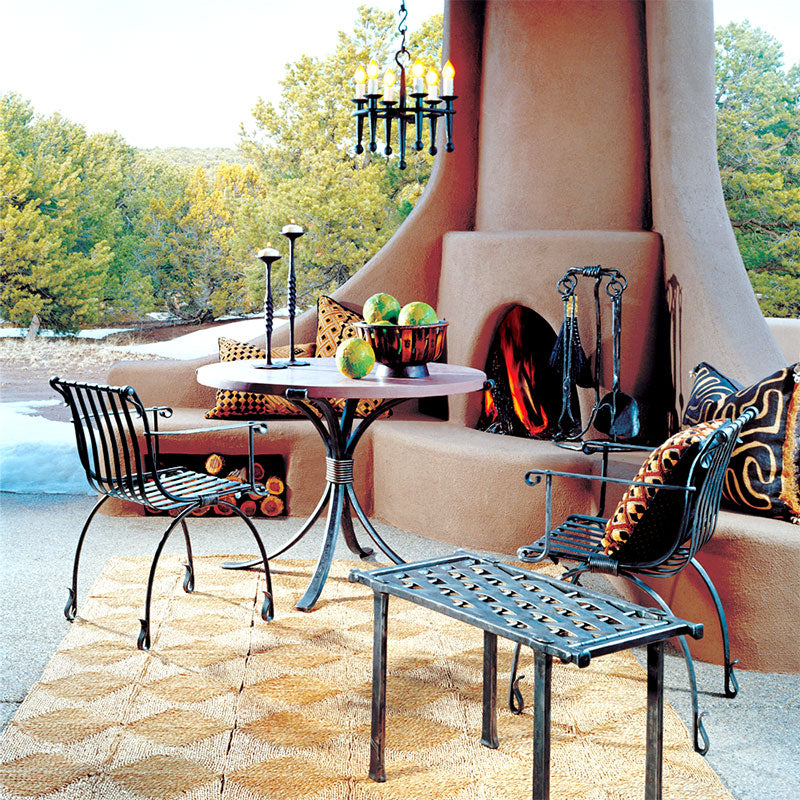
column 417, row 314
column 381, row 307
column 383, row 322
column 355, row 358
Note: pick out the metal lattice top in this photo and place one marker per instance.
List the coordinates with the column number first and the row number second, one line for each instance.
column 559, row 618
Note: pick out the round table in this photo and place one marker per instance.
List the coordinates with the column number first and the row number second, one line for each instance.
column 309, row 388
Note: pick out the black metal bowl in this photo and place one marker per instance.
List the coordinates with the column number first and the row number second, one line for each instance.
column 403, row 351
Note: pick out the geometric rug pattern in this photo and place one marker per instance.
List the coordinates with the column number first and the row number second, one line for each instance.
column 229, row 707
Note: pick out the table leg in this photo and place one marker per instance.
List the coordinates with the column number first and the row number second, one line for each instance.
column 655, row 720
column 489, row 732
column 335, row 508
column 543, row 665
column 349, row 533
column 378, row 724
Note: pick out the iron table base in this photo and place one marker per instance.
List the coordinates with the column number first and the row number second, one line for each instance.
column 339, row 496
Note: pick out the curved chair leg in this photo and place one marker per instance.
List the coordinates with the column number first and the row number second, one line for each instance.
column 143, row 642
column 268, row 606
column 71, row 607
column 731, row 684
column 516, row 702
column 188, row 581
column 701, row 741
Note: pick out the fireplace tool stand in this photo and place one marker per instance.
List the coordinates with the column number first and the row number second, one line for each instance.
column 616, row 413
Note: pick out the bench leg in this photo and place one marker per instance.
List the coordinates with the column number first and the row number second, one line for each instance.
column 378, row 732
column 489, row 732
column 543, row 665
column 655, row 720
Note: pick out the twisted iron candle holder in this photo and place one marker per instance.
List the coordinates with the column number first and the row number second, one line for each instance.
column 267, row 256
column 292, row 232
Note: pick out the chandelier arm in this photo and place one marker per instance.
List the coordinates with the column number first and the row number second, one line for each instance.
column 433, row 118
column 373, row 122
column 448, row 123
column 387, row 128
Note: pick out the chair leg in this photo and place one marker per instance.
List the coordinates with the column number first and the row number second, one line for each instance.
column 72, row 603
column 516, row 702
column 731, row 684
column 268, row 607
column 188, row 581
column 700, row 737
column 143, row 642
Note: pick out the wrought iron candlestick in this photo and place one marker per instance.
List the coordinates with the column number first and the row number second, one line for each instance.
column 292, row 232
column 269, row 256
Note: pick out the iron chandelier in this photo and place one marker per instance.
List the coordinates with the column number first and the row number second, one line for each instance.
column 372, row 104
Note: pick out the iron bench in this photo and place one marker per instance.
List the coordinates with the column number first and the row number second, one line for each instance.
column 554, row 618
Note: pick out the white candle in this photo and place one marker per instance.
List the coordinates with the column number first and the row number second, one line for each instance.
column 360, row 78
column 388, row 86
column 292, row 227
column 269, row 252
column 432, row 79
column 417, row 71
column 448, row 73
column 372, row 75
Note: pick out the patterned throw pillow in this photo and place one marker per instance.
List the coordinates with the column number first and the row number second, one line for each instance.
column 250, row 405
column 334, row 324
column 710, row 386
column 764, row 472
column 644, row 524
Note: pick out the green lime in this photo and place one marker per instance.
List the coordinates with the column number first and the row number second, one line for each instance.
column 381, row 307
column 355, row 358
column 417, row 314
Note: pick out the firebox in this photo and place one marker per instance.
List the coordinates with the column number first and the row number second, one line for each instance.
column 526, row 398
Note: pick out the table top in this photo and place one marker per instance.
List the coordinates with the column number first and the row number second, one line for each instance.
column 559, row 618
column 322, row 379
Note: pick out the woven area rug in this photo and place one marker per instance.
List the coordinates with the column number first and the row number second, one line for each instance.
column 228, row 706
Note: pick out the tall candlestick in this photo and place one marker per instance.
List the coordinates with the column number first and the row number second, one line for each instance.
column 448, row 73
column 268, row 255
column 292, row 231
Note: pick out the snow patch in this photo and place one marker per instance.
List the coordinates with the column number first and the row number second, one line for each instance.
column 38, row 455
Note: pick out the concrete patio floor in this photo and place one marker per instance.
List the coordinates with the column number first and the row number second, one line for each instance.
column 755, row 738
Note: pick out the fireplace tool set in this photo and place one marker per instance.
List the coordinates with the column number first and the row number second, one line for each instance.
column 615, row 414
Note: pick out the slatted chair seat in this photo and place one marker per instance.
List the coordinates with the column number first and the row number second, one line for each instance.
column 110, row 422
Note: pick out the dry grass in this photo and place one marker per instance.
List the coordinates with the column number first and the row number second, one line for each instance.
column 75, row 353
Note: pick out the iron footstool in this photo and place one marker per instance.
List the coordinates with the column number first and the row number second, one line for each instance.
column 552, row 617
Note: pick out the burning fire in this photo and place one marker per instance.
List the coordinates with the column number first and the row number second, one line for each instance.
column 520, row 371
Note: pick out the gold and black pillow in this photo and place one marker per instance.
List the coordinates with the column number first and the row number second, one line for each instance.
column 251, row 405
column 644, row 524
column 764, row 471
column 334, row 325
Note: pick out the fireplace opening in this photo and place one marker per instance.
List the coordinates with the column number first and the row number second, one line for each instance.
column 526, row 398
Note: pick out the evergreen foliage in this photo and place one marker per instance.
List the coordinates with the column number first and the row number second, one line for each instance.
column 758, row 146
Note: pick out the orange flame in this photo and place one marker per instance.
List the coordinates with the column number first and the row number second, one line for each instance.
column 521, row 376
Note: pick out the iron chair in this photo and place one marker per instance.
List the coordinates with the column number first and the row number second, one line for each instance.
column 109, row 421
column 578, row 538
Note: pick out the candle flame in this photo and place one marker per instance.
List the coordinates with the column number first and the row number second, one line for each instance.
column 360, row 74
column 432, row 78
column 291, row 221
column 389, row 78
column 373, row 69
column 448, row 71
column 418, row 70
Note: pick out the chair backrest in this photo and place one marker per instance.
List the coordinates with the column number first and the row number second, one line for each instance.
column 106, row 419
column 699, row 520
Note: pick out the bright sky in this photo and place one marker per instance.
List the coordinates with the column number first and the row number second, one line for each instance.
column 167, row 73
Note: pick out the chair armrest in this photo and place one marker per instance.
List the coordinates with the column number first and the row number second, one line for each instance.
column 252, row 426
column 592, row 446
column 534, row 477
column 258, row 427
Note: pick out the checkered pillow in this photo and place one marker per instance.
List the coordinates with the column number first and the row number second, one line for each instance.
column 250, row 405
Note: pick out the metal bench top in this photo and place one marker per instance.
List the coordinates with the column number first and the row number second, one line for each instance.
column 557, row 618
